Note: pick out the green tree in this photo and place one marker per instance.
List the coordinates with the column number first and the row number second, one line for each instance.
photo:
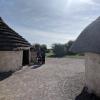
column 59, row 50
column 44, row 47
column 37, row 46
column 68, row 46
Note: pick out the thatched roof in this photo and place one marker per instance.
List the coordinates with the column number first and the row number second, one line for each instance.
column 89, row 39
column 9, row 39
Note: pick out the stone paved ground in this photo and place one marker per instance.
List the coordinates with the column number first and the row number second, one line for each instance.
column 58, row 79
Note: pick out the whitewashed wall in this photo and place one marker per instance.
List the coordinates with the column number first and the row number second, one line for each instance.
column 10, row 60
column 93, row 72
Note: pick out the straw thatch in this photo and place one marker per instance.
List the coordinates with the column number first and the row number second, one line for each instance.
column 89, row 39
column 9, row 39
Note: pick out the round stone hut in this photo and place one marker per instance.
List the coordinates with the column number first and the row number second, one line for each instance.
column 14, row 49
column 88, row 42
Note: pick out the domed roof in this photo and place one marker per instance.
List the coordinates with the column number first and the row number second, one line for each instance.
column 89, row 39
column 9, row 39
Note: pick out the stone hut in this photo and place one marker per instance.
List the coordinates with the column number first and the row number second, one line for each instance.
column 88, row 42
column 33, row 53
column 14, row 49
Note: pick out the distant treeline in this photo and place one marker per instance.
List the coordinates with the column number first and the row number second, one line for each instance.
column 58, row 49
column 37, row 46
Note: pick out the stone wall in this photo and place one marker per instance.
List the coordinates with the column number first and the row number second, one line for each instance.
column 10, row 60
column 33, row 56
column 93, row 72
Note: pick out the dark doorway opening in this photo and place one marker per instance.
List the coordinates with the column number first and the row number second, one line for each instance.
column 25, row 57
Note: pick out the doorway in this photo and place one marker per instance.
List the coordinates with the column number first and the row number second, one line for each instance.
column 25, row 57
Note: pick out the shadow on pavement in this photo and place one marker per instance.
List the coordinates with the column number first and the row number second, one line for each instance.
column 87, row 96
column 5, row 75
column 35, row 66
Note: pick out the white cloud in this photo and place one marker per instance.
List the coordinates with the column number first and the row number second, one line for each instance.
column 91, row 2
column 48, row 21
column 87, row 1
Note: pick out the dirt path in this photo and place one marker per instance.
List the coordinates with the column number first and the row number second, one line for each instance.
column 58, row 79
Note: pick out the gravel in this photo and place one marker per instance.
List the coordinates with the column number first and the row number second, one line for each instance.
column 58, row 79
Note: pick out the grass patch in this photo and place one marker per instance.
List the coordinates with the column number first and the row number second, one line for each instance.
column 50, row 54
column 74, row 56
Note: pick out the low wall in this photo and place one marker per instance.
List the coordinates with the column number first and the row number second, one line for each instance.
column 93, row 72
column 33, row 56
column 10, row 60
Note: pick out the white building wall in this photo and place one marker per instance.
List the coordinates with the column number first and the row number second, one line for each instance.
column 93, row 72
column 10, row 60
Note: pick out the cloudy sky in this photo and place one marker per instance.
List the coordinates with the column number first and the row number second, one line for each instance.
column 49, row 21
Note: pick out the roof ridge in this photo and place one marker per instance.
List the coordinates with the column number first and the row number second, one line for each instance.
column 98, row 18
column 1, row 20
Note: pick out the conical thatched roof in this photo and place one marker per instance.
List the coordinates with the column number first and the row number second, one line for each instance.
column 9, row 39
column 89, row 39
